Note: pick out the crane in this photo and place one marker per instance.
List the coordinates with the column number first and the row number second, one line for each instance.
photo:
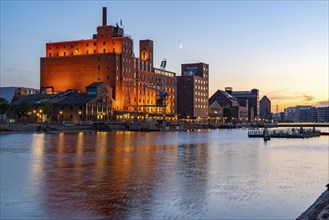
column 159, row 87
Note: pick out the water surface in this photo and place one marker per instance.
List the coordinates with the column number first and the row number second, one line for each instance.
column 208, row 174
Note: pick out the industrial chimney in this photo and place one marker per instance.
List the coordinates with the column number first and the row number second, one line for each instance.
column 228, row 90
column 104, row 16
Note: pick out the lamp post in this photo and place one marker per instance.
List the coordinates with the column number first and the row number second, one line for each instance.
column 59, row 115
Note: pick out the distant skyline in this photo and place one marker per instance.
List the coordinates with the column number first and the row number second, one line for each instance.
column 278, row 47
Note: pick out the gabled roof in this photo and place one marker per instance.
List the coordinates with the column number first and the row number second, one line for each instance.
column 94, row 84
column 76, row 99
column 31, row 99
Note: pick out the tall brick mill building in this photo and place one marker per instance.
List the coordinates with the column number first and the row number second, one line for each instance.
column 108, row 57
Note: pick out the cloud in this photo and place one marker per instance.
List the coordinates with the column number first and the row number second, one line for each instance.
column 296, row 97
column 281, row 97
column 322, row 103
column 308, row 98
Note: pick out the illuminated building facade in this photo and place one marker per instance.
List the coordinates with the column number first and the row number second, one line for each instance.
column 108, row 57
column 73, row 106
column 193, row 91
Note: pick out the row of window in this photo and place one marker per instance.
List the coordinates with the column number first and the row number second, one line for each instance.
column 201, row 87
column 201, row 100
column 87, row 44
column 107, row 67
column 72, row 45
column 200, row 106
column 200, row 81
column 200, row 93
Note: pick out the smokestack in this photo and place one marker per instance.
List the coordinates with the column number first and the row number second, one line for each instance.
column 104, row 16
column 228, row 90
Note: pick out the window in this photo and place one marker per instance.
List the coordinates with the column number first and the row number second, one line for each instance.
column 108, row 67
column 104, row 50
column 94, row 51
column 94, row 43
column 87, row 44
column 64, row 53
column 98, row 58
column 57, row 54
column 104, row 42
column 72, row 53
column 108, row 57
column 87, row 52
column 99, row 67
column 64, row 45
column 72, row 45
column 71, row 107
column 71, row 116
column 108, row 77
column 49, row 54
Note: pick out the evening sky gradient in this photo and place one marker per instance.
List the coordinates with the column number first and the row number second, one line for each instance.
column 278, row 47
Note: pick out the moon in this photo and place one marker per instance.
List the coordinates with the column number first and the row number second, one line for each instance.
column 181, row 46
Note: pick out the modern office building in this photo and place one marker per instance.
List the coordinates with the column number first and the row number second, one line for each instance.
column 300, row 114
column 108, row 57
column 249, row 99
column 11, row 93
column 265, row 108
column 323, row 114
column 193, row 91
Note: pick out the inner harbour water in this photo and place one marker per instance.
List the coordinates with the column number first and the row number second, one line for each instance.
column 217, row 174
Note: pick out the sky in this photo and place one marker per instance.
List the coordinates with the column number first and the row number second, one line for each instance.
column 278, row 47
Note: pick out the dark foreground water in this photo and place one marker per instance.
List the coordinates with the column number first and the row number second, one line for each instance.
column 210, row 174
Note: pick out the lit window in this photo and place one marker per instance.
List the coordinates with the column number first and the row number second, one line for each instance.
column 77, row 51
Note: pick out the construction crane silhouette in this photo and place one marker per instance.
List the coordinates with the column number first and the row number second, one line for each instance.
column 158, row 86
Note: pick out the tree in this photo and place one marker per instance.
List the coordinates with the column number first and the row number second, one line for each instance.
column 227, row 113
column 46, row 107
column 22, row 109
column 4, row 106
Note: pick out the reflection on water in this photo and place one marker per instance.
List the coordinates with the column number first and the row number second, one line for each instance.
column 213, row 174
